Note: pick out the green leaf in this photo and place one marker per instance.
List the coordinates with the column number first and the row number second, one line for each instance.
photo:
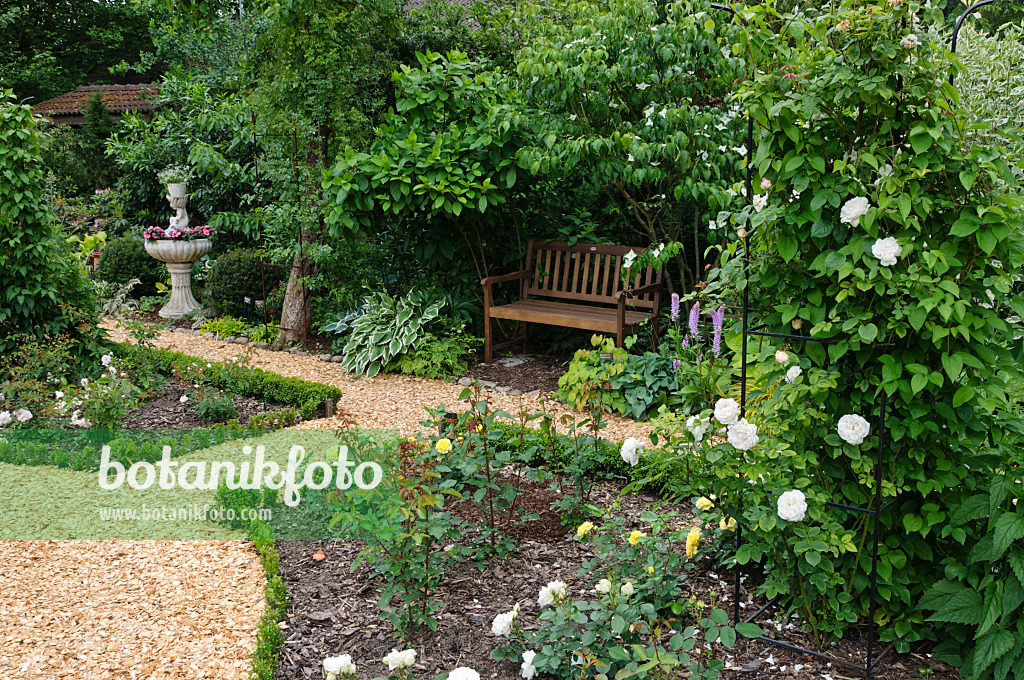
column 962, row 396
column 749, row 630
column 1009, row 527
column 963, row 607
column 868, row 332
column 990, row 647
column 727, row 636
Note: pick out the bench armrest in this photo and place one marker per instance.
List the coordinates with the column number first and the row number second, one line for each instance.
column 642, row 290
column 507, row 277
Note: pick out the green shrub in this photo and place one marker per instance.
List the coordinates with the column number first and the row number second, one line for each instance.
column 236, row 275
column 387, row 329
column 225, row 326
column 216, row 408
column 437, row 357
column 125, row 258
column 263, row 333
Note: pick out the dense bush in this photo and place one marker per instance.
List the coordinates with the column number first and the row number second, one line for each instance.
column 125, row 258
column 239, row 274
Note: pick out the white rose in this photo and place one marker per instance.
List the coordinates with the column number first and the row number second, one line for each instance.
column 631, row 449
column 528, row 670
column 698, row 427
column 743, row 435
column 551, row 593
column 909, row 42
column 793, row 373
column 23, row 415
column 853, row 210
column 334, row 664
column 105, row 359
column 781, row 357
column 626, row 589
column 760, row 202
column 727, row 411
column 792, row 506
column 397, row 659
column 5, row 418
column 184, row 399
column 853, row 429
column 503, row 624
column 347, row 666
column 886, row 250
column 603, row 587
column 58, row 394
column 463, row 673
column 84, row 382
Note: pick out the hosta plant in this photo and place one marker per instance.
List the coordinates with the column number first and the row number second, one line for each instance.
column 388, row 327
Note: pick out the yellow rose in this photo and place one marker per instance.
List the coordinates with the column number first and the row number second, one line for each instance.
column 704, row 504
column 727, row 525
column 584, row 529
column 650, row 570
column 443, row 445
column 692, row 541
column 635, row 537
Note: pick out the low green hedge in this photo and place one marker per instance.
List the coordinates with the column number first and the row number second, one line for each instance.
column 253, row 382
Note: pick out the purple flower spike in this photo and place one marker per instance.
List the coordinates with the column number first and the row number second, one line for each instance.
column 675, row 306
column 686, row 341
column 717, row 318
column 694, row 319
column 676, row 363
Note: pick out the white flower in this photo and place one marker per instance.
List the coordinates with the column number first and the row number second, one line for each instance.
column 631, row 449
column 660, row 247
column 853, row 210
column 642, row 86
column 792, row 506
column 528, row 670
column 909, row 42
column 698, row 427
column 630, row 257
column 84, row 382
column 105, row 359
column 112, row 370
column 793, row 373
column 463, row 673
column 333, row 665
column 552, row 593
column 853, row 429
column 626, row 589
column 23, row 415
column 184, row 399
column 743, row 435
column 58, row 394
column 503, row 623
column 887, row 250
column 883, row 172
column 5, row 418
column 396, row 659
column 760, row 201
column 603, row 587
column 781, row 357
column 2, row 397
column 727, row 411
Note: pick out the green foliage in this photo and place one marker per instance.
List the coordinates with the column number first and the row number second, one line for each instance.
column 43, row 289
column 262, row 333
column 438, row 357
column 236, row 506
column 239, row 274
column 224, row 326
column 215, row 408
column 388, row 328
column 269, row 637
column 125, row 258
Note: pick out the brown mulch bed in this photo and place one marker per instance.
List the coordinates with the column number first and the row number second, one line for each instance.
column 165, row 411
column 538, row 372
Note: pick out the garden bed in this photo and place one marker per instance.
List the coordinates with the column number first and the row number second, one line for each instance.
column 165, row 411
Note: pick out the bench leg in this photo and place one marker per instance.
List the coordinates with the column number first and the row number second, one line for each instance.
column 654, row 335
column 526, row 338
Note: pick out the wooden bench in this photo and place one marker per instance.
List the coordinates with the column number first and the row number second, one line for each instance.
column 585, row 290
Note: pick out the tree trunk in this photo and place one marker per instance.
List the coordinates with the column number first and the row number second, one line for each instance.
column 295, row 312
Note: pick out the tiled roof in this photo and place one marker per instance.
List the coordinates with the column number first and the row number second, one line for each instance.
column 117, row 98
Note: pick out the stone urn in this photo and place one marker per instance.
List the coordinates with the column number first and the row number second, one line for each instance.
column 177, row 189
column 180, row 256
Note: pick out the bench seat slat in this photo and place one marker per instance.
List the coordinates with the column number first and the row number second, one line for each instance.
column 565, row 314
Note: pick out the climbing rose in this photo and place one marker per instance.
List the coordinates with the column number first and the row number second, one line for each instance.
column 528, row 670
column 766, row 183
column 793, row 373
column 853, row 210
column 397, row 659
column 727, row 411
column 760, row 202
column 698, row 427
column 743, row 435
column 631, row 449
column 503, row 623
column 5, row 418
column 792, row 506
column 727, row 525
column 853, row 429
column 463, row 673
column 704, row 503
column 886, row 250
column 781, row 357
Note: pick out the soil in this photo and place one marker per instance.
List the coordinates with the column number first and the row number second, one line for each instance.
column 333, row 611
column 165, row 411
column 537, row 372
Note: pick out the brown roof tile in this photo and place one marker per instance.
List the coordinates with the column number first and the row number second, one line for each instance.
column 117, row 98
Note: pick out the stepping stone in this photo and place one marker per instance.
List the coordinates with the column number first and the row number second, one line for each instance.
column 532, row 393
column 262, row 345
column 509, row 362
column 515, row 393
column 325, row 357
column 209, row 335
column 502, row 389
column 230, row 338
column 337, row 359
column 488, row 384
column 465, row 381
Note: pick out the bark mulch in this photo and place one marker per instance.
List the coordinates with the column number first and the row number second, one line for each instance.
column 164, row 410
column 525, row 373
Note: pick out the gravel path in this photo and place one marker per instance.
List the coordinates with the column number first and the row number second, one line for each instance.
column 385, row 401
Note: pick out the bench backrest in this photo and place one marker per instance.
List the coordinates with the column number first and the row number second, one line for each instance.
column 588, row 272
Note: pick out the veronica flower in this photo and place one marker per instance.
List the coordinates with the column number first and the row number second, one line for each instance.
column 694, row 319
column 675, row 365
column 675, row 306
column 717, row 319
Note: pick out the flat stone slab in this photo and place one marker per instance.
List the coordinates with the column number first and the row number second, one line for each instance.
column 509, row 362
